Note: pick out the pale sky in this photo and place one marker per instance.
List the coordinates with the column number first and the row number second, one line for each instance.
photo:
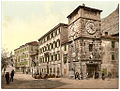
column 23, row 22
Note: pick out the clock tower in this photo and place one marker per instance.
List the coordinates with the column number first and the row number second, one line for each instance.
column 84, row 34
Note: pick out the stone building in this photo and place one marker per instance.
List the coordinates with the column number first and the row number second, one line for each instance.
column 84, row 33
column 110, row 49
column 93, row 42
column 87, row 44
column 50, row 53
column 110, row 43
column 23, row 59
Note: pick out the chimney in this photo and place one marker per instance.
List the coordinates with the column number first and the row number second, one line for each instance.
column 83, row 5
column 106, row 33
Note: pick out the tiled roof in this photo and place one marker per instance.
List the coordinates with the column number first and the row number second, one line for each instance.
column 33, row 43
column 110, row 24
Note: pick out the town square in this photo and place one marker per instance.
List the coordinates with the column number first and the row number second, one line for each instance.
column 46, row 53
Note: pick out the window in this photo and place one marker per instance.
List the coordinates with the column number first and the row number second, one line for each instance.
column 48, row 46
column 43, row 40
column 55, row 32
column 58, row 30
column 50, row 70
column 54, row 70
column 51, row 45
column 48, row 37
column 90, row 47
column 48, row 58
column 51, row 57
column 58, row 43
column 51, row 35
column 43, row 59
column 45, row 48
column 55, row 57
column 42, row 49
column 58, row 71
column 65, row 58
column 65, row 48
column 113, row 57
column 55, row 44
column 58, row 56
column 113, row 44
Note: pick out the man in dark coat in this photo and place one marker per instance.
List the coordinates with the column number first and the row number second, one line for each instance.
column 77, row 75
column 7, row 77
column 109, row 75
column 103, row 76
column 12, row 75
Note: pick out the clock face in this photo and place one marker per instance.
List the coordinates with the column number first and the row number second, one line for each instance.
column 90, row 27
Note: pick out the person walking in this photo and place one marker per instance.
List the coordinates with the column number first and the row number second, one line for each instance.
column 7, row 77
column 86, row 75
column 81, row 76
column 77, row 75
column 12, row 75
column 109, row 75
column 103, row 76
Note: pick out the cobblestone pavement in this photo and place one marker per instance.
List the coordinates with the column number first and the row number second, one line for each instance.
column 24, row 81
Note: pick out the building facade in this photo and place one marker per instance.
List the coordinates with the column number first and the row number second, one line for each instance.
column 110, row 43
column 84, row 33
column 87, row 44
column 23, row 60
column 110, row 56
column 50, row 53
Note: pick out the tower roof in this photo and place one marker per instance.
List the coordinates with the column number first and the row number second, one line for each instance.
column 84, row 7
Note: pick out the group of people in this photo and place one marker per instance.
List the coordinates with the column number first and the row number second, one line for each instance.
column 79, row 76
column 96, row 75
column 109, row 76
column 9, row 76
